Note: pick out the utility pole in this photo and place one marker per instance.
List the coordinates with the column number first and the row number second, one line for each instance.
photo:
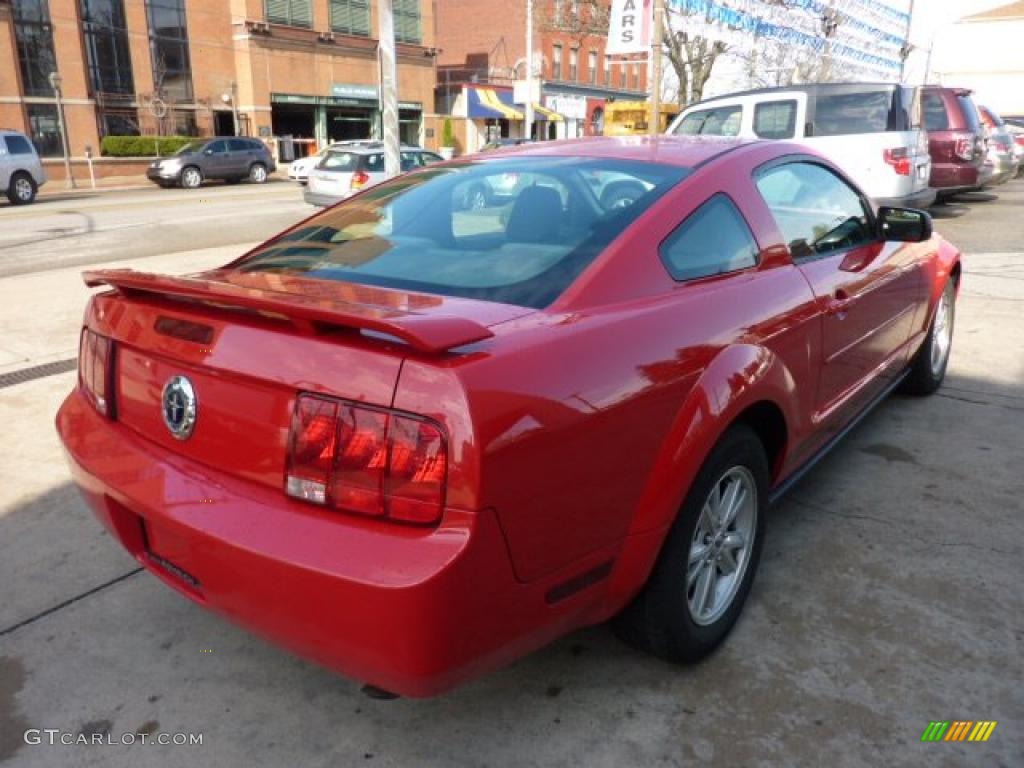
column 528, row 126
column 654, row 124
column 55, row 82
column 388, row 88
column 906, row 48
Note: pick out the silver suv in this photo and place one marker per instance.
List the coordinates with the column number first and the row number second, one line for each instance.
column 21, row 170
column 873, row 131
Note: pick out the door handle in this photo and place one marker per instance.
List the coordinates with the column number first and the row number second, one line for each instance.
column 839, row 303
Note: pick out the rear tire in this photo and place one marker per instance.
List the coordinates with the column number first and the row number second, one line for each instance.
column 703, row 574
column 929, row 367
column 258, row 173
column 22, row 190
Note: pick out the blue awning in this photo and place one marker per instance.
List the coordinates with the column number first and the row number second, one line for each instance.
column 491, row 103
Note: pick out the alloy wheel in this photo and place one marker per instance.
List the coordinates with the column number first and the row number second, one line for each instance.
column 258, row 174
column 721, row 546
column 191, row 179
column 23, row 189
column 942, row 334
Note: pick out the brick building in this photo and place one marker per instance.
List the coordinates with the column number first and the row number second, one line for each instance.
column 482, row 46
column 301, row 68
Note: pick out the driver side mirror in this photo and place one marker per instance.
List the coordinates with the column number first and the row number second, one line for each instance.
column 905, row 225
column 207, row 151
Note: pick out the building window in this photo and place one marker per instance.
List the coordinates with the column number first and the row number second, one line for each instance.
column 168, row 46
column 607, row 70
column 407, row 21
column 294, row 13
column 622, row 75
column 556, row 62
column 34, row 35
column 351, row 17
column 636, row 77
column 592, row 67
column 106, row 45
column 574, row 60
column 558, row 12
column 45, row 129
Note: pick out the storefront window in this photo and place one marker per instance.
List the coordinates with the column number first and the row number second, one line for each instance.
column 45, row 129
column 350, row 17
column 34, row 36
column 168, row 43
column 106, row 44
column 407, row 21
column 294, row 13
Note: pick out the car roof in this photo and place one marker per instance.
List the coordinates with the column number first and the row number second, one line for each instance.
column 684, row 151
column 805, row 87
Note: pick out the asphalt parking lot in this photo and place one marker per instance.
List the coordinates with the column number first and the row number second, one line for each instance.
column 889, row 595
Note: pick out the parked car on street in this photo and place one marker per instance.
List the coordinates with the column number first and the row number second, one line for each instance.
column 956, row 140
column 1015, row 126
column 229, row 158
column 343, row 172
column 21, row 170
column 414, row 442
column 872, row 130
column 1001, row 149
column 505, row 143
column 299, row 169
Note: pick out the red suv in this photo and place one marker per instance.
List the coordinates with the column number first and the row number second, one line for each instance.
column 955, row 139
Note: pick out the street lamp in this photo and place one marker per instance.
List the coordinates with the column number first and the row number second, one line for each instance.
column 55, row 82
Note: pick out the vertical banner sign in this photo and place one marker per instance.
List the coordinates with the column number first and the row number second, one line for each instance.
column 629, row 27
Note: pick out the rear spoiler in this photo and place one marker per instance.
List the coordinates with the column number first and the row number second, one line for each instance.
column 424, row 332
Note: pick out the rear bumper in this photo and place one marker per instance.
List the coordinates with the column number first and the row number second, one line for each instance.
column 948, row 178
column 920, row 199
column 410, row 610
column 317, row 198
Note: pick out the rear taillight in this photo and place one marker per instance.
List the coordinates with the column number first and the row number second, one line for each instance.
column 370, row 461
column 359, row 179
column 968, row 146
column 95, row 370
column 899, row 159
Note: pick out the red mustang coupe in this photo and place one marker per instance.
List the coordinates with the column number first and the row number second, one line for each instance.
column 414, row 438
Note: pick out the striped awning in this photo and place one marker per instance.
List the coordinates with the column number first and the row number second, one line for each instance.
column 493, row 103
column 488, row 102
column 543, row 113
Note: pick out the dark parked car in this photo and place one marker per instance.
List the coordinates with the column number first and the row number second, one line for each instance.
column 231, row 159
column 956, row 140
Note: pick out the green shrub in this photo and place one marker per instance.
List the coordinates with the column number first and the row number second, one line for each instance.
column 447, row 134
column 142, row 146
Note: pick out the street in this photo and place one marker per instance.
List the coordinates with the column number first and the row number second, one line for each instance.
column 72, row 229
column 888, row 596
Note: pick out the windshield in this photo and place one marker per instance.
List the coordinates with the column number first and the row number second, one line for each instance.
column 516, row 231
column 192, row 146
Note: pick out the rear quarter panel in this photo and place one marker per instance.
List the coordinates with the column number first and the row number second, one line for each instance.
column 587, row 422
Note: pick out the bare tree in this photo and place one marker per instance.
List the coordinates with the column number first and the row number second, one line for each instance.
column 577, row 20
column 692, row 56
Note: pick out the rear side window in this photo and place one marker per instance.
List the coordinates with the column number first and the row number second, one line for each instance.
column 775, row 119
column 238, row 145
column 816, row 211
column 719, row 121
column 713, row 240
column 18, row 145
column 935, row 117
column 841, row 114
column 970, row 112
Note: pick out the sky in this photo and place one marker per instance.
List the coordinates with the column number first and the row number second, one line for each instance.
column 931, row 18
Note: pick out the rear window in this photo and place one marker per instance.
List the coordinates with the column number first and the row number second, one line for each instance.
column 844, row 113
column 970, row 112
column 513, row 230
column 339, row 161
column 935, row 116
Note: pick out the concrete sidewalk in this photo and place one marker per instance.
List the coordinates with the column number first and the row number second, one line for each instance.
column 41, row 312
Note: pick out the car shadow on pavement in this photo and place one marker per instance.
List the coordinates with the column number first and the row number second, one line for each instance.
column 948, row 210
